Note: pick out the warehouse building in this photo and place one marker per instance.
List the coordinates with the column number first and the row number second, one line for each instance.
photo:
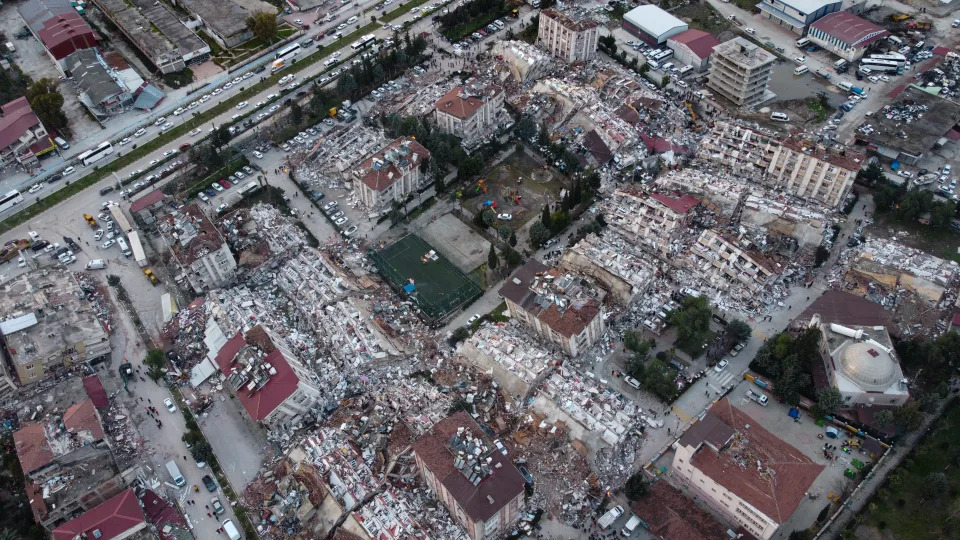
column 797, row 15
column 652, row 24
column 845, row 35
column 226, row 20
column 693, row 47
column 57, row 25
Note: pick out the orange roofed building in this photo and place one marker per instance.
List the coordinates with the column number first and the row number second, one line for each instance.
column 470, row 110
column 391, row 174
column 555, row 306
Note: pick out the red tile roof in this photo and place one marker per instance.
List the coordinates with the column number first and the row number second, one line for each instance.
column 681, row 204
column 17, row 118
column 264, row 401
column 849, row 29
column 114, row 518
column 461, row 103
column 671, row 515
column 32, row 447
column 58, row 25
column 149, row 199
column 229, row 351
column 698, row 41
column 955, row 320
column 776, row 495
column 83, row 417
column 161, row 513
column 96, row 392
column 502, row 485
column 380, row 177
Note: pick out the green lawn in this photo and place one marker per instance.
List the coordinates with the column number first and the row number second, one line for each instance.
column 702, row 16
column 904, row 507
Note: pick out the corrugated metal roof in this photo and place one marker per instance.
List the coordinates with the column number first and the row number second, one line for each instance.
column 653, row 20
column 16, row 324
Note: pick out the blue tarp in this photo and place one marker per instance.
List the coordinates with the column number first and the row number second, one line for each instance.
column 794, row 412
column 408, row 288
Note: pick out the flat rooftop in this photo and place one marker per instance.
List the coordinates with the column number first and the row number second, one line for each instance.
column 44, row 313
column 920, row 134
column 744, row 53
column 227, row 17
column 138, row 28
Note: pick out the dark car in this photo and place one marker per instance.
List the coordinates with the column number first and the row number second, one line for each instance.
column 260, row 69
column 108, row 189
column 39, row 244
column 210, row 193
column 526, row 474
column 209, row 483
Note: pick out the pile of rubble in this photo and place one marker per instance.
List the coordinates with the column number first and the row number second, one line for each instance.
column 509, row 346
column 96, row 293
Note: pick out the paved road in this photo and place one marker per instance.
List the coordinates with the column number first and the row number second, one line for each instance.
column 23, row 181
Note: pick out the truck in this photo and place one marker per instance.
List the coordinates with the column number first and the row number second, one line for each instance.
column 759, row 397
column 90, row 220
column 607, row 519
column 151, row 276
column 630, row 526
column 277, row 65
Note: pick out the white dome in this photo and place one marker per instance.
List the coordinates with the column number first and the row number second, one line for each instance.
column 869, row 366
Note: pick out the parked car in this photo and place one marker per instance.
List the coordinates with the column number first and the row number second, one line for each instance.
column 209, row 483
column 168, row 403
column 721, row 365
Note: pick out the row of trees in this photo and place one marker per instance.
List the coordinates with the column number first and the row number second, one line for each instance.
column 47, row 103
column 906, row 206
column 787, row 361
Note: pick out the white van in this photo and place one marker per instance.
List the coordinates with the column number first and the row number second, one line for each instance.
column 653, row 64
column 96, row 264
column 61, row 143
column 352, row 20
column 329, row 62
column 668, row 66
column 34, row 236
column 174, row 473
column 801, row 70
column 630, row 526
column 69, row 170
column 685, row 69
column 124, row 248
column 230, row 529
column 779, row 117
column 844, row 85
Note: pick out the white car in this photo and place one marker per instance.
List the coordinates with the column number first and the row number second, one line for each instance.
column 341, row 221
column 350, row 230
column 682, row 84
column 179, row 111
column 139, row 132
column 123, row 141
column 205, row 98
column 242, row 104
column 257, row 154
column 98, row 235
column 216, row 91
column 35, row 188
column 170, row 152
column 298, row 22
column 721, row 365
column 193, row 105
column 168, row 403
column 274, row 109
column 800, row 59
column 108, row 244
column 272, row 96
column 260, row 104
column 221, row 208
column 160, row 121
column 238, row 80
column 750, row 31
column 473, row 318
column 216, row 186
column 505, row 217
column 203, row 196
column 166, row 127
column 194, row 132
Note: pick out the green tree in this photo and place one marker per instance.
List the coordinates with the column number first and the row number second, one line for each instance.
column 460, row 404
column 347, row 85
column 512, row 257
column 156, row 363
column 539, row 234
column 740, row 330
column 657, row 379
column 220, row 137
column 692, row 320
column 635, row 343
column 489, row 217
column 935, row 485
column 526, row 129
column 504, row 232
column 883, row 418
column 263, row 25
column 665, row 80
column 908, row 417
column 821, row 256
column 492, row 261
column 636, row 486
column 199, row 447
column 872, row 174
column 941, row 214
column 296, row 113
column 559, row 221
column 545, row 217
column 828, row 401
column 513, row 239
column 47, row 104
column 791, row 379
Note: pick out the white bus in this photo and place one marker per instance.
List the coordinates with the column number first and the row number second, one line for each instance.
column 364, row 42
column 803, row 42
column 894, row 57
column 887, row 66
column 10, row 199
column 96, row 154
column 288, row 52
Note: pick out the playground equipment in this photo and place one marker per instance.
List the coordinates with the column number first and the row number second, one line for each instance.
column 481, row 186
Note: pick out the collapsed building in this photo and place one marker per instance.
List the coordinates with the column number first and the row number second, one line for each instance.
column 723, row 261
column 197, row 249
column 655, row 220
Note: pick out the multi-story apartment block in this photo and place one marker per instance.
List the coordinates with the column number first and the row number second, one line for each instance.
column 391, row 174
column 198, row 248
column 813, row 171
column 739, row 150
column 479, row 485
column 470, row 110
column 22, row 136
column 740, row 71
column 555, row 306
column 272, row 384
column 572, row 39
column 651, row 220
column 723, row 262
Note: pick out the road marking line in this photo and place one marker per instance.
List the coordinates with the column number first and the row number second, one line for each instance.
column 681, row 414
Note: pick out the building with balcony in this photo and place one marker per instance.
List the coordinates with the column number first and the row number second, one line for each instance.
column 471, row 110
column 198, row 249
column 170, row 47
column 272, row 384
column 845, row 35
column 761, row 496
column 652, row 220
column 22, row 137
column 813, row 171
column 391, row 174
column 723, row 263
column 797, row 15
column 479, row 484
column 740, row 150
column 570, row 38
column 740, row 71
column 47, row 325
column 558, row 307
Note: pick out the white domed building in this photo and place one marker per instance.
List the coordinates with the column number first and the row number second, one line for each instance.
column 861, row 363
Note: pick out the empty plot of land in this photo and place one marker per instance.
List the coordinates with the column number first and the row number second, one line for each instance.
column 457, row 242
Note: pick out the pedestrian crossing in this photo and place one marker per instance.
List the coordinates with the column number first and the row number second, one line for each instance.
column 720, row 380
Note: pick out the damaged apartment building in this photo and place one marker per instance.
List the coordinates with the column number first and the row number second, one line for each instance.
column 728, row 264
column 47, row 325
column 558, row 307
column 390, row 174
column 197, row 248
column 795, row 164
column 655, row 220
column 471, row 111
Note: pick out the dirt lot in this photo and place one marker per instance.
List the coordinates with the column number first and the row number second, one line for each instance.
column 518, row 174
